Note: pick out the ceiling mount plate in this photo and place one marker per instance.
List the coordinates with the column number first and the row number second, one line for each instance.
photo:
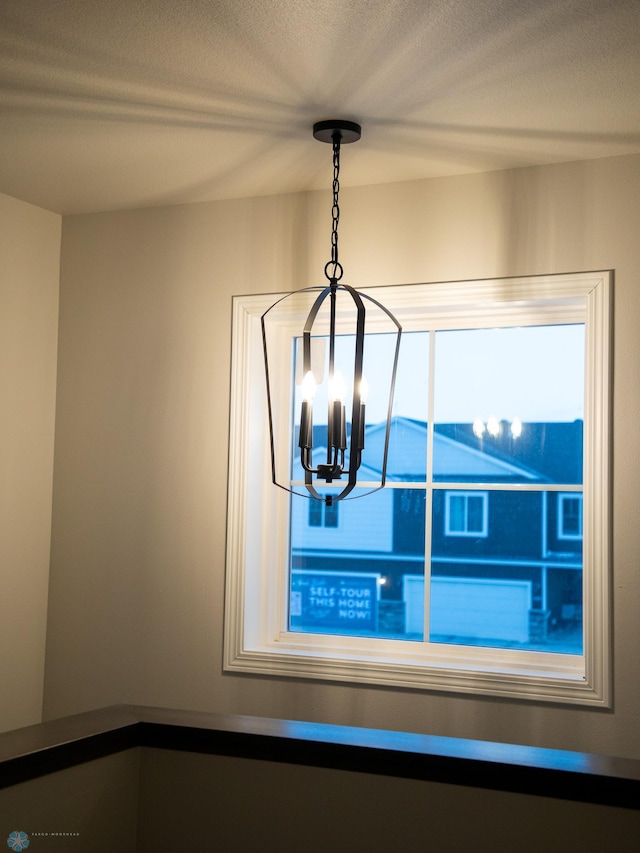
column 348, row 131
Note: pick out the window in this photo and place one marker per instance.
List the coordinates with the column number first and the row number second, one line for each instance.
column 316, row 514
column 466, row 514
column 323, row 515
column 570, row 517
column 501, row 404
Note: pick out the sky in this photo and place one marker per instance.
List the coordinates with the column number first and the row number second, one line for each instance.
column 533, row 373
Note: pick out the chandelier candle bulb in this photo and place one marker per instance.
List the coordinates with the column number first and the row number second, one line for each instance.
column 337, row 388
column 308, row 387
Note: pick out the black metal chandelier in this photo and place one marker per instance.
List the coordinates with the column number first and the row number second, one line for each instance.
column 337, row 318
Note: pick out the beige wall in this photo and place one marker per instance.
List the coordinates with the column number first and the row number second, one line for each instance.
column 29, row 276
column 89, row 807
column 137, row 576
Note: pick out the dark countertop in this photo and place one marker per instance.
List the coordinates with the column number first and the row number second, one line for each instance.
column 55, row 745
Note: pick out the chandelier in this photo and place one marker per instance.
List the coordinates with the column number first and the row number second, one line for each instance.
column 331, row 351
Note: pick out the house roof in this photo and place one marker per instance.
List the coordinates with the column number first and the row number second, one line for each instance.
column 105, row 106
column 545, row 452
column 553, row 449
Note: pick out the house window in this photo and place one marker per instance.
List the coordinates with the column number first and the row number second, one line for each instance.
column 322, row 514
column 466, row 514
column 570, row 516
column 502, row 396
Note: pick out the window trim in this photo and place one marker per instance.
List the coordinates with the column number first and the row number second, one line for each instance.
column 476, row 534
column 256, row 591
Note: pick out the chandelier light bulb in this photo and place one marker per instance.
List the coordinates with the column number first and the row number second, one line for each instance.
column 308, row 387
column 337, row 388
column 516, row 427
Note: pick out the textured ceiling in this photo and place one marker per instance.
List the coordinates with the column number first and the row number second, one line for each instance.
column 133, row 103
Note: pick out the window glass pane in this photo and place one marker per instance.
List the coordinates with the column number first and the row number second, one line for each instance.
column 516, row 587
column 475, row 514
column 456, row 514
column 365, row 576
column 408, row 442
column 330, row 514
column 407, row 452
column 571, row 516
column 509, row 405
column 315, row 513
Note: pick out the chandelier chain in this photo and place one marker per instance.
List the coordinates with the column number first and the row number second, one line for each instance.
column 334, row 264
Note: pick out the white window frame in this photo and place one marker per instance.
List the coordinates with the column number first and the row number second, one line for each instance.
column 256, row 636
column 561, row 533
column 460, row 493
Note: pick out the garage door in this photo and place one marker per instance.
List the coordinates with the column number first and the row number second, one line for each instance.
column 470, row 609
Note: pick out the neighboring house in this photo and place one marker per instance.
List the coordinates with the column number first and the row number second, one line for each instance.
column 505, row 564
